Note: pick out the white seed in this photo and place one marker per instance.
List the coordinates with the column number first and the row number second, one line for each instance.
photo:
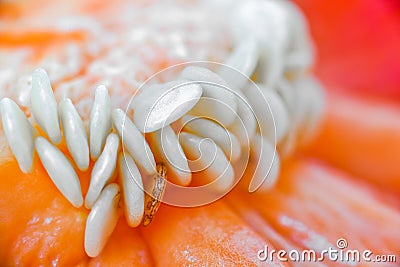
column 209, row 129
column 100, row 121
column 265, row 162
column 103, row 169
column 268, row 23
column 134, row 142
column 102, row 220
column 19, row 133
column 290, row 96
column 288, row 145
column 166, row 148
column 311, row 106
column 60, row 171
column 161, row 104
column 205, row 156
column 218, row 100
column 75, row 134
column 23, row 88
column 301, row 52
column 244, row 60
column 132, row 188
column 271, row 113
column 244, row 126
column 44, row 105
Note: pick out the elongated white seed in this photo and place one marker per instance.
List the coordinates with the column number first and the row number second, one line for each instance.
column 75, row 134
column 161, row 104
column 166, row 148
column 244, row 60
column 19, row 133
column 268, row 23
column 100, row 121
column 222, row 137
column 290, row 96
column 265, row 163
column 218, row 100
column 134, row 142
column 288, row 144
column 132, row 188
column 279, row 112
column 103, row 169
column 23, row 88
column 311, row 106
column 301, row 54
column 44, row 105
column 102, row 220
column 206, row 157
column 60, row 171
column 244, row 126
column 271, row 113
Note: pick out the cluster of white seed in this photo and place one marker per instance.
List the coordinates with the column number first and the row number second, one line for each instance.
column 224, row 107
column 101, row 198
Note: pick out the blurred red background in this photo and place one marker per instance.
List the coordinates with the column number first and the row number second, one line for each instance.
column 358, row 44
